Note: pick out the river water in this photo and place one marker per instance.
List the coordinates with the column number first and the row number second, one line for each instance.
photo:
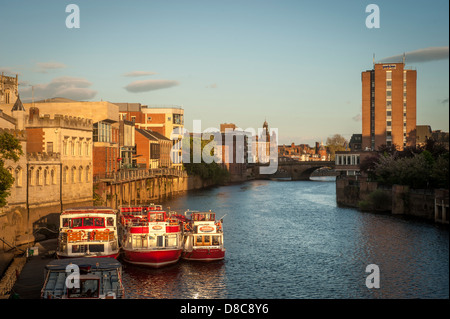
column 290, row 240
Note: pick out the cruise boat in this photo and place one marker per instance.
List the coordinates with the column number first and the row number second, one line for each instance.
column 88, row 232
column 203, row 237
column 150, row 236
column 90, row 278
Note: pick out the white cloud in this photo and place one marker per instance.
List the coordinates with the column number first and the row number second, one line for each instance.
column 357, row 118
column 67, row 87
column 44, row 66
column 421, row 55
column 150, row 85
column 139, row 73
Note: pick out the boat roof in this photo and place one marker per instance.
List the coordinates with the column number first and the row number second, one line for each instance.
column 89, row 209
column 93, row 262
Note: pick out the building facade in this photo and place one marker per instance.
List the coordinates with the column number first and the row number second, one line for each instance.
column 9, row 89
column 388, row 106
column 165, row 120
column 105, row 128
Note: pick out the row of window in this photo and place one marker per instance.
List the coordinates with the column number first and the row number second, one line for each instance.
column 73, row 147
column 347, row 159
column 40, row 176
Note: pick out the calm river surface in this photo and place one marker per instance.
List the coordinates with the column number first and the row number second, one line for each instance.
column 290, row 240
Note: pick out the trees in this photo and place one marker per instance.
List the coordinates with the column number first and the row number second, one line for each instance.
column 10, row 149
column 208, row 171
column 336, row 143
column 417, row 167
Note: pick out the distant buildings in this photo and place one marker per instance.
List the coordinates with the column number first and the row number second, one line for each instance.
column 303, row 152
column 167, row 121
column 355, row 143
column 388, row 106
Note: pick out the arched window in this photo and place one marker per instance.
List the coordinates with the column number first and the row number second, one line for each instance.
column 31, row 177
column 53, row 176
column 66, row 175
column 46, row 176
column 39, row 176
column 80, row 174
column 88, row 174
column 72, row 177
column 18, row 176
column 72, row 148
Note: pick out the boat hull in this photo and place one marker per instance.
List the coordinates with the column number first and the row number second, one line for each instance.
column 113, row 255
column 204, row 254
column 152, row 258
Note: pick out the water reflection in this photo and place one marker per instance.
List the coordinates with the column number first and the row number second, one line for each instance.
column 291, row 240
column 190, row 280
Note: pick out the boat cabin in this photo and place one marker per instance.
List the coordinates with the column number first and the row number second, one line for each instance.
column 203, row 216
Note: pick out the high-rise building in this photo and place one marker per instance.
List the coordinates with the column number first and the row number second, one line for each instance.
column 388, row 106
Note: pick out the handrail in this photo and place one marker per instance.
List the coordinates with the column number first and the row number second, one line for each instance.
column 125, row 175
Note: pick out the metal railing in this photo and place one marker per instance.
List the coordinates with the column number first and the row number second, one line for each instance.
column 134, row 174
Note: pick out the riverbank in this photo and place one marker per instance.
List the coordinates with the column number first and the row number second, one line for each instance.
column 358, row 192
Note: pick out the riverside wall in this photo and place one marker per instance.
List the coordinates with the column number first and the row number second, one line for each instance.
column 428, row 204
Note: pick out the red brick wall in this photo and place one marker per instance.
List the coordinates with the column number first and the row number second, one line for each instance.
column 104, row 159
column 35, row 140
column 142, row 149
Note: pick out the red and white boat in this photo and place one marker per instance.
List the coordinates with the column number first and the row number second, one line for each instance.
column 203, row 237
column 149, row 236
column 88, row 232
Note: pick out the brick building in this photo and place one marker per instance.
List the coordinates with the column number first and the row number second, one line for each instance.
column 168, row 121
column 388, row 106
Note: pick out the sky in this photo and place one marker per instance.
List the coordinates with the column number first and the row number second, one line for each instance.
column 296, row 64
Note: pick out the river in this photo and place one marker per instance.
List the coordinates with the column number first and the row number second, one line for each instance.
column 290, row 240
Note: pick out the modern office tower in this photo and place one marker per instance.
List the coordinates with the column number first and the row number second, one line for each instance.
column 388, row 106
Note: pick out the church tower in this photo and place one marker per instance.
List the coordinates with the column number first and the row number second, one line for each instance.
column 18, row 112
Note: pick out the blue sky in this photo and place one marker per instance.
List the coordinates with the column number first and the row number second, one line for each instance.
column 297, row 63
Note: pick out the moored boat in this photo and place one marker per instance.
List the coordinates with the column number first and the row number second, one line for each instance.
column 149, row 236
column 203, row 237
column 83, row 278
column 88, row 232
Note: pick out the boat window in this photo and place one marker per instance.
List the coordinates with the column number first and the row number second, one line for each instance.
column 158, row 217
column 215, row 240
column 207, row 240
column 99, row 222
column 198, row 241
column 140, row 241
column 66, row 222
column 79, row 249
column 88, row 221
column 110, row 221
column 76, row 222
column 171, row 240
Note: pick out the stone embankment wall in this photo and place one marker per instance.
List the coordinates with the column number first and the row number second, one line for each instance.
column 144, row 191
column 352, row 191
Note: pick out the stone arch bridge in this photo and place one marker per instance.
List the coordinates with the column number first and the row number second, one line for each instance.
column 298, row 170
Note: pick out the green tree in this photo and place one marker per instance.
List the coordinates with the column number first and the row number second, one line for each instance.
column 10, row 149
column 208, row 171
column 336, row 143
